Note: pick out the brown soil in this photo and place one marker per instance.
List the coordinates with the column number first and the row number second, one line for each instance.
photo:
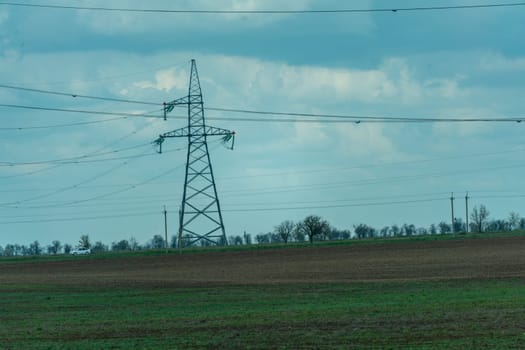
column 433, row 260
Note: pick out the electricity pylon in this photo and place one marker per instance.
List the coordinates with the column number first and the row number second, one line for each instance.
column 200, row 218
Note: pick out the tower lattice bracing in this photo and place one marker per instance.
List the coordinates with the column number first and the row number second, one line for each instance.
column 200, row 218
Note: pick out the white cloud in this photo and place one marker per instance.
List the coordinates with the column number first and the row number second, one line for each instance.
column 445, row 88
column 166, row 80
column 130, row 22
column 495, row 62
column 468, row 129
column 4, row 15
column 312, row 134
column 366, row 141
column 314, row 86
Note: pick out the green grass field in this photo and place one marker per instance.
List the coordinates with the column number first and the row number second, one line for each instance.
column 452, row 313
column 437, row 315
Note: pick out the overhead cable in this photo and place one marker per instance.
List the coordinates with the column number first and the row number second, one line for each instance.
column 65, row 110
column 268, row 11
column 76, row 159
column 62, row 125
column 325, row 118
column 50, row 92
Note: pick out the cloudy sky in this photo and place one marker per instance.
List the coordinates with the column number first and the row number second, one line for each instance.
column 66, row 174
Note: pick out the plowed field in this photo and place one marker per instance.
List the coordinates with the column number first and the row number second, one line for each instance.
column 444, row 294
column 403, row 261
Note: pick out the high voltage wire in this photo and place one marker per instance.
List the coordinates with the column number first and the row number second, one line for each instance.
column 362, row 201
column 341, row 118
column 113, row 204
column 333, row 206
column 339, row 169
column 128, row 188
column 230, row 210
column 82, row 218
column 90, row 161
column 99, row 150
column 104, row 195
column 28, row 173
column 68, row 188
column 244, row 210
column 281, row 189
column 77, row 159
column 269, row 11
column 81, row 111
column 332, row 118
column 358, row 119
column 62, row 125
column 50, row 92
column 335, row 185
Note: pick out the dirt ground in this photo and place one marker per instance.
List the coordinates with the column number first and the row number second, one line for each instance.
column 479, row 258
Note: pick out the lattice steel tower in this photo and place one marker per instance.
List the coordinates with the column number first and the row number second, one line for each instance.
column 200, row 218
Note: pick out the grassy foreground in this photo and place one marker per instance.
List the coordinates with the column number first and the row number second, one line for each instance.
column 421, row 315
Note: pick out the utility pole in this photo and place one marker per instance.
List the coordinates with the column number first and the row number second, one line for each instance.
column 452, row 210
column 466, row 212
column 200, row 218
column 166, row 229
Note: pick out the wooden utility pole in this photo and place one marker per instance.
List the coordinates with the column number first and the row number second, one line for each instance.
column 166, row 229
column 452, row 209
column 466, row 212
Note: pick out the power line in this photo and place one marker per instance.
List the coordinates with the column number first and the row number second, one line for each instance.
column 50, row 92
column 342, row 118
column 54, row 166
column 337, row 118
column 65, row 110
column 270, row 11
column 68, row 188
column 62, row 125
column 307, row 187
column 116, row 76
column 333, row 206
column 361, row 118
column 105, row 195
column 80, row 218
column 334, row 185
column 318, row 170
column 264, row 209
column 80, row 159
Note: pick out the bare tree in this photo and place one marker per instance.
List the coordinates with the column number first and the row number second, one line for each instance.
column 173, row 241
column 479, row 217
column 9, row 250
column 121, row 245
column 157, row 242
column 84, row 242
column 514, row 220
column 35, row 249
column 133, row 244
column 444, row 227
column 99, row 247
column 55, row 247
column 314, row 226
column 285, row 230
column 235, row 240
column 364, row 231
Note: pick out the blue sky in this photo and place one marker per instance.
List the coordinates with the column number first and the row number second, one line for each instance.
column 454, row 63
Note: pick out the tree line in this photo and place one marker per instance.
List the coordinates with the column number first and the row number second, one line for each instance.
column 311, row 228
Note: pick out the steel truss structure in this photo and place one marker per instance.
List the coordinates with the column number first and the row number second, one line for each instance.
column 200, row 217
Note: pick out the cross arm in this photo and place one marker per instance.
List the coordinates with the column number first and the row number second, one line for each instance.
column 169, row 106
column 186, row 132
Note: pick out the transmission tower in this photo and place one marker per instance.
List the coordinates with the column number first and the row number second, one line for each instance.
column 200, row 218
